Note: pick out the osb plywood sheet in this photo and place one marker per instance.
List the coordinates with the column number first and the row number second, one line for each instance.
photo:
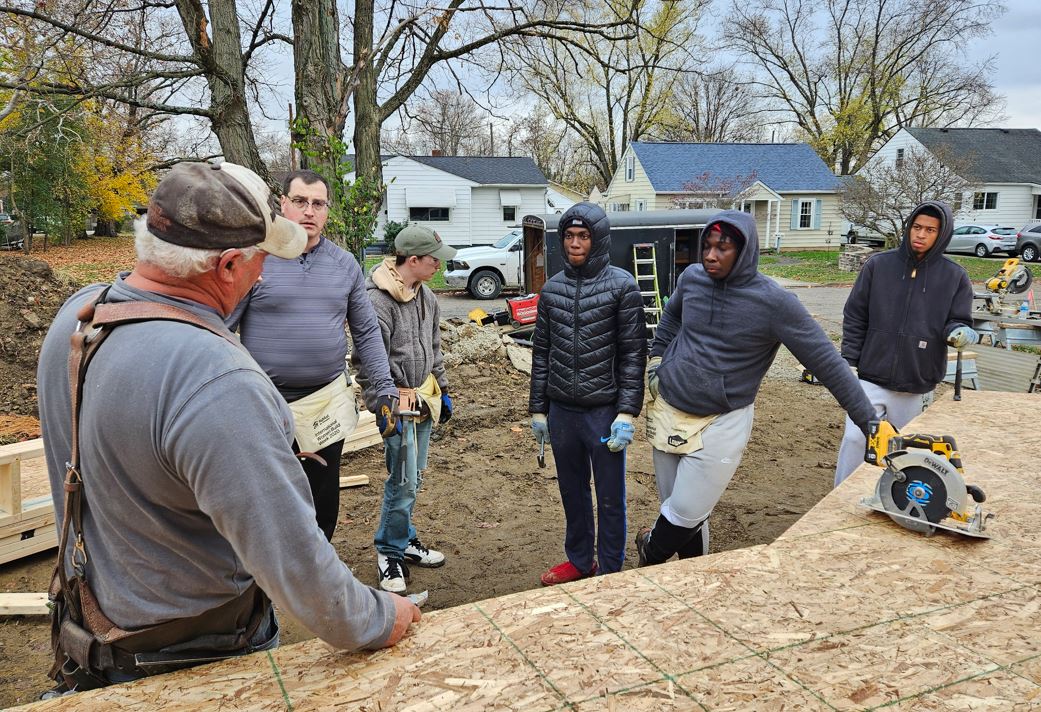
column 846, row 611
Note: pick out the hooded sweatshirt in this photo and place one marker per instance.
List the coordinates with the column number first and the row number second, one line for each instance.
column 590, row 344
column 717, row 338
column 901, row 310
column 410, row 322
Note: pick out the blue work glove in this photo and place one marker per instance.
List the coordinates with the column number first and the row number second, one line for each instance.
column 386, row 420
column 652, row 377
column 622, row 432
column 963, row 336
column 446, row 408
column 539, row 427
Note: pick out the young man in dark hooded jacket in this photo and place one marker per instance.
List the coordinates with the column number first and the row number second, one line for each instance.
column 717, row 337
column 588, row 357
column 905, row 307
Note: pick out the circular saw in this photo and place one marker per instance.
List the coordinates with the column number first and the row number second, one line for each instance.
column 922, row 487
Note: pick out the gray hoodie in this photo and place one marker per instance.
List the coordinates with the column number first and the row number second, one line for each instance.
column 717, row 338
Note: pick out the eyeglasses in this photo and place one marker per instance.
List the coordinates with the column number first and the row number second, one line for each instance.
column 302, row 203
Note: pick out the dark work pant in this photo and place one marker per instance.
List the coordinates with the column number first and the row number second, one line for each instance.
column 578, row 438
column 325, row 485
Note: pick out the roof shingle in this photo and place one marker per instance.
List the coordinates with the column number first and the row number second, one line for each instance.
column 996, row 155
column 488, row 170
column 783, row 167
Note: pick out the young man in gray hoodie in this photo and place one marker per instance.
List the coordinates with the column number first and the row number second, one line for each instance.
column 716, row 339
column 907, row 305
column 409, row 320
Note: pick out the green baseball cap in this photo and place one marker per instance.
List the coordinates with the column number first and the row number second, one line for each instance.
column 418, row 240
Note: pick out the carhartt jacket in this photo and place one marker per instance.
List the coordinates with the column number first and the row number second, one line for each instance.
column 901, row 310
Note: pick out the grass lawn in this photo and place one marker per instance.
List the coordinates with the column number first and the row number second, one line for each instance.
column 821, row 267
column 437, row 282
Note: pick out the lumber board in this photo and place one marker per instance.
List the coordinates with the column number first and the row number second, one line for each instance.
column 354, row 481
column 846, row 610
column 23, row 604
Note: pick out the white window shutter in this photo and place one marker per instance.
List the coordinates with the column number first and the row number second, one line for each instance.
column 795, row 215
column 817, row 214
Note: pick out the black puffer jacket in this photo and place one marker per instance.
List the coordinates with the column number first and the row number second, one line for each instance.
column 590, row 342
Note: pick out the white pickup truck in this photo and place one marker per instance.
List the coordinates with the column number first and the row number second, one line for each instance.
column 484, row 271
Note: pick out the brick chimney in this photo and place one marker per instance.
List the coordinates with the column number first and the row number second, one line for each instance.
column 436, row 152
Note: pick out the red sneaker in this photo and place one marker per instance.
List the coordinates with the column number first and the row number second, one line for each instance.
column 565, row 572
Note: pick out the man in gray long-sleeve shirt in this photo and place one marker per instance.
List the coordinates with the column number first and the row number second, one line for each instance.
column 192, row 492
column 293, row 320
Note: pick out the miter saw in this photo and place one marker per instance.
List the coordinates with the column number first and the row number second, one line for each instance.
column 922, row 487
column 1013, row 278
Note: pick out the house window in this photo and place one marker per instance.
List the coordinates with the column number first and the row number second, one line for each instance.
column 509, row 213
column 641, row 205
column 1037, row 207
column 984, row 201
column 899, row 159
column 620, row 207
column 428, row 214
column 805, row 214
column 630, row 168
column 957, row 202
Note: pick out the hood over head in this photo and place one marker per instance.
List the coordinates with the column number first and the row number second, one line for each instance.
column 594, row 219
column 746, row 266
column 942, row 240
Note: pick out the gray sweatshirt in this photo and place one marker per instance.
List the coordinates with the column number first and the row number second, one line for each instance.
column 717, row 338
column 192, row 490
column 411, row 326
column 293, row 320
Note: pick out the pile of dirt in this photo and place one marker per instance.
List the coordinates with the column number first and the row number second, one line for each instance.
column 31, row 295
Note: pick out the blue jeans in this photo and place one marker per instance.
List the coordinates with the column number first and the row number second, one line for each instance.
column 399, row 492
column 579, row 450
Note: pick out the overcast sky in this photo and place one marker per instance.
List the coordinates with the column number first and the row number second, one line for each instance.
column 1017, row 72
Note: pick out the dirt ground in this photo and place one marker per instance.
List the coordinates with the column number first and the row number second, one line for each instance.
column 484, row 501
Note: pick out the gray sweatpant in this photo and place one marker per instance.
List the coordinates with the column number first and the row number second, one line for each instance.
column 898, row 408
column 689, row 486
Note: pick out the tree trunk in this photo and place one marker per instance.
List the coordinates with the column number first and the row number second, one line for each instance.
column 367, row 119
column 320, row 79
column 225, row 75
column 106, row 228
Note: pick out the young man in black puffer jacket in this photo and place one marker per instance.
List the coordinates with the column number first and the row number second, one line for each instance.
column 588, row 357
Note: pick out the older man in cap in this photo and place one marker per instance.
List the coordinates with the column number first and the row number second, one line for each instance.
column 184, row 513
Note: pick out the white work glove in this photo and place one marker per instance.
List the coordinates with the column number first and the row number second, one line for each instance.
column 652, row 377
column 622, row 431
column 963, row 336
column 539, row 427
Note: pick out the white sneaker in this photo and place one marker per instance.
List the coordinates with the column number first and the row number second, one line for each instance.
column 391, row 574
column 420, row 555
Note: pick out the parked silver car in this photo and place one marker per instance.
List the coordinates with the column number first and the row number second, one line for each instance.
column 983, row 240
column 1028, row 244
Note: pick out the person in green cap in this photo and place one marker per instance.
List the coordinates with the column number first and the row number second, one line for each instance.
column 409, row 319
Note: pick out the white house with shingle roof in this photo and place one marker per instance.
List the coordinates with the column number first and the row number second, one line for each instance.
column 793, row 195
column 467, row 200
column 1005, row 163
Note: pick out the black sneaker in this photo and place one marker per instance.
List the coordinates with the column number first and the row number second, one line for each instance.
column 418, row 554
column 643, row 537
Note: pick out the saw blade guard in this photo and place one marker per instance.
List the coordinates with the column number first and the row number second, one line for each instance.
column 921, row 487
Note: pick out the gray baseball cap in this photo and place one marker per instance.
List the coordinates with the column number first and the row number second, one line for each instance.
column 419, row 240
column 217, row 206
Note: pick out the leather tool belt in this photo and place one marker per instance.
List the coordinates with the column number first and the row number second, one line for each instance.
column 89, row 649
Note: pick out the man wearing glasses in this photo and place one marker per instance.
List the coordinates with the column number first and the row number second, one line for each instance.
column 292, row 322
column 907, row 306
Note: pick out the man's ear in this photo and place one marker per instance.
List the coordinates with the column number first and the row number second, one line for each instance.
column 228, row 262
